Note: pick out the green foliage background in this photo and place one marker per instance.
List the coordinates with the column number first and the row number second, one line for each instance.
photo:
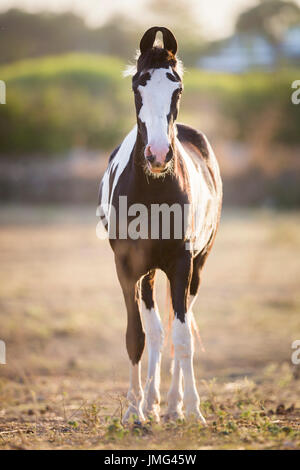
column 56, row 103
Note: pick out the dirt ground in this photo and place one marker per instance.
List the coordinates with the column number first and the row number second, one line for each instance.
column 63, row 321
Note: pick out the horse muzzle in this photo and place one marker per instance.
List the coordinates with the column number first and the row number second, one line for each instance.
column 158, row 158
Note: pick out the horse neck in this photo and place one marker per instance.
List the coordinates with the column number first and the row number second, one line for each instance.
column 138, row 151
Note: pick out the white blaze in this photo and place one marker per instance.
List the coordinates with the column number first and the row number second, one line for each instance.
column 156, row 98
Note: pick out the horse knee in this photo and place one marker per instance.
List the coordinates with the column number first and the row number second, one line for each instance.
column 135, row 343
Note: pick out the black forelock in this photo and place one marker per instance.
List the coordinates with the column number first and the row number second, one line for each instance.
column 156, row 58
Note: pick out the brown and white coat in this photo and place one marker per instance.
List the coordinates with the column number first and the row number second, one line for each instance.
column 161, row 162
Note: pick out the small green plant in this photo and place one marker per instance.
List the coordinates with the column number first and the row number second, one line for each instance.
column 74, row 424
column 115, row 429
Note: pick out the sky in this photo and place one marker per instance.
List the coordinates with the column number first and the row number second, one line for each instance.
column 216, row 17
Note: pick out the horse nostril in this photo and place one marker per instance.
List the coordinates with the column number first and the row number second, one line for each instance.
column 150, row 158
column 169, row 155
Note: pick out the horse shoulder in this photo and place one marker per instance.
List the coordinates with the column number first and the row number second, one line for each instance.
column 198, row 148
column 117, row 163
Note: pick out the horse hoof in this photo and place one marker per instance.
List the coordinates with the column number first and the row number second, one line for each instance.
column 153, row 414
column 137, row 423
column 131, row 415
column 173, row 416
column 196, row 416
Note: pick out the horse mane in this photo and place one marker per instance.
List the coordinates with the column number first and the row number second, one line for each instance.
column 154, row 58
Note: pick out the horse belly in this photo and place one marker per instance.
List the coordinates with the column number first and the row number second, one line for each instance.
column 204, row 215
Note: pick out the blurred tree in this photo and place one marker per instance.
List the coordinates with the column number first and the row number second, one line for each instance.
column 117, row 37
column 30, row 35
column 270, row 19
column 176, row 14
column 25, row 35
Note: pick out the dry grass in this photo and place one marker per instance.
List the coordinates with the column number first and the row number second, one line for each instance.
column 63, row 320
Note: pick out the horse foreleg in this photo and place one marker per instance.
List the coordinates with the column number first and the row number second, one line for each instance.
column 135, row 342
column 154, row 339
column 182, row 336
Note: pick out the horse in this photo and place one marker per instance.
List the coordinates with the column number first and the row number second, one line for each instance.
column 160, row 166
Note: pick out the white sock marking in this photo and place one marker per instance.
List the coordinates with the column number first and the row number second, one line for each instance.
column 135, row 394
column 184, row 351
column 154, row 339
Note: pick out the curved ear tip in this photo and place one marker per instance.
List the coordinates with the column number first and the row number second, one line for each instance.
column 162, row 29
column 148, row 39
column 153, row 28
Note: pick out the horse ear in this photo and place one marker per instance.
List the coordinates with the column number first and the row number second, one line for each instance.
column 148, row 39
column 170, row 42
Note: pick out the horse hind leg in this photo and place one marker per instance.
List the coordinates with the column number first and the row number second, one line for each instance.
column 175, row 394
column 198, row 263
column 154, row 340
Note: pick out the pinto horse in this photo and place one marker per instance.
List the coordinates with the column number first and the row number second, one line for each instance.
column 160, row 164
